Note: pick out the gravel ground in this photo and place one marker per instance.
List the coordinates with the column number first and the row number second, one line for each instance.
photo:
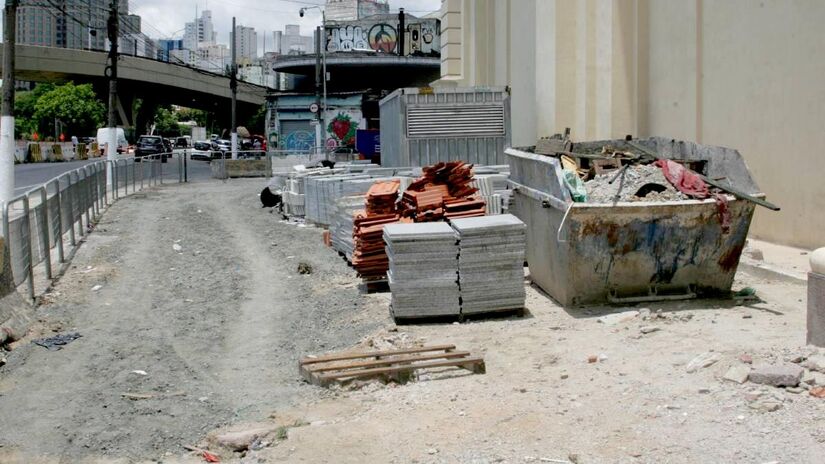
column 541, row 399
column 217, row 326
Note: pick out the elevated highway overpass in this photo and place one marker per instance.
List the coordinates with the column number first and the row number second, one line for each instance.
column 153, row 81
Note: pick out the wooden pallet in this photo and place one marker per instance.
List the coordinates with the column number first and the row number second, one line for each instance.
column 375, row 286
column 398, row 365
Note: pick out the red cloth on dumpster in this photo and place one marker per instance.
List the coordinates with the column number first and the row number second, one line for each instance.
column 684, row 180
column 689, row 183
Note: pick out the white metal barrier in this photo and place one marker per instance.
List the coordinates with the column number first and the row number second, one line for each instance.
column 37, row 221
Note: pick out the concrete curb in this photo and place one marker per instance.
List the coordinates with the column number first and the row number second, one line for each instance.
column 766, row 271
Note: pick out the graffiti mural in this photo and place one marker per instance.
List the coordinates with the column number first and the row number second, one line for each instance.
column 383, row 38
column 342, row 130
column 299, row 140
column 381, row 34
column 346, row 38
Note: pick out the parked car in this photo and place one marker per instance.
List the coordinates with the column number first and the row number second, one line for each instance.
column 221, row 148
column 148, row 145
column 202, row 151
column 182, row 142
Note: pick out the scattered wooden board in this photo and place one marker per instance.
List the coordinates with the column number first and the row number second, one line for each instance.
column 396, row 365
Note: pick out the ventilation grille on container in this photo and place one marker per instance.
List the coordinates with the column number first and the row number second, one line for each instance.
column 455, row 121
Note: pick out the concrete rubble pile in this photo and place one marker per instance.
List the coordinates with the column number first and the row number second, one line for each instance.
column 631, row 186
column 491, row 263
column 369, row 257
column 423, row 269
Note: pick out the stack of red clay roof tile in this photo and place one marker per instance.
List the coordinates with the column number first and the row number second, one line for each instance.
column 443, row 191
column 369, row 257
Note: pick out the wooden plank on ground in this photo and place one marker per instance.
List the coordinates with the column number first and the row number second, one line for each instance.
column 473, row 363
column 373, row 354
column 387, row 361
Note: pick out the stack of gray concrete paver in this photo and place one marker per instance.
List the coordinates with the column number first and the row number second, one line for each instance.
column 342, row 225
column 490, row 263
column 423, row 270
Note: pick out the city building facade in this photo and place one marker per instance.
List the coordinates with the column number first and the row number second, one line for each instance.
column 200, row 31
column 246, row 41
column 714, row 72
column 79, row 24
column 291, row 42
column 352, row 10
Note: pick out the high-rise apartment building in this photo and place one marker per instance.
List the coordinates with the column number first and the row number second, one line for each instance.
column 246, row 43
column 200, row 32
column 71, row 23
column 291, row 42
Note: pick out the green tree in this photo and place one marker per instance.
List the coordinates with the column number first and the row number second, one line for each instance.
column 165, row 122
column 76, row 106
column 24, row 107
column 191, row 114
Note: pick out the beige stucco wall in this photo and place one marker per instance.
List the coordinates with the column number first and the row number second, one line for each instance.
column 736, row 73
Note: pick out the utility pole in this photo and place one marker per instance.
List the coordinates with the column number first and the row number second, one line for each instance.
column 319, row 139
column 401, row 32
column 7, row 107
column 89, row 23
column 323, row 43
column 111, row 73
column 233, row 84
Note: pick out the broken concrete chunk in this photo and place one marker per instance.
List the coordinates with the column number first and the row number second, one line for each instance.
column 816, row 363
column 240, row 440
column 617, row 318
column 177, row 248
column 737, row 373
column 765, row 406
column 780, row 375
column 702, row 361
column 813, row 378
column 644, row 313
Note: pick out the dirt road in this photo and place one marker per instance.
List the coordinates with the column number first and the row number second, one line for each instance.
column 216, row 325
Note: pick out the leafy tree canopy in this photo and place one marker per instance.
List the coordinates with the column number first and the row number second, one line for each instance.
column 165, row 123
column 76, row 106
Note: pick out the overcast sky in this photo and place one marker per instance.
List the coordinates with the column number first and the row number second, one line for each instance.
column 168, row 17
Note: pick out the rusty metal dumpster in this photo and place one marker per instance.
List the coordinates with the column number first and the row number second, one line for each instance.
column 631, row 252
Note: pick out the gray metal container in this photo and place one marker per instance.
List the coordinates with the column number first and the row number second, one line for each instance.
column 423, row 126
column 627, row 252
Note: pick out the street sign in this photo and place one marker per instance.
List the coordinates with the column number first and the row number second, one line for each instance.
column 313, row 108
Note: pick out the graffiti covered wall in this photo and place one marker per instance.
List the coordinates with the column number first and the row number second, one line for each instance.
column 342, row 125
column 290, row 123
column 380, row 33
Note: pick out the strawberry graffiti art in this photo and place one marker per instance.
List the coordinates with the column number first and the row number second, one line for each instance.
column 342, row 128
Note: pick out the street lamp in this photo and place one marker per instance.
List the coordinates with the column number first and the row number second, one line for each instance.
column 319, row 139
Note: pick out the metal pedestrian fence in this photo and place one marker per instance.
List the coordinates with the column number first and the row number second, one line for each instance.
column 48, row 222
